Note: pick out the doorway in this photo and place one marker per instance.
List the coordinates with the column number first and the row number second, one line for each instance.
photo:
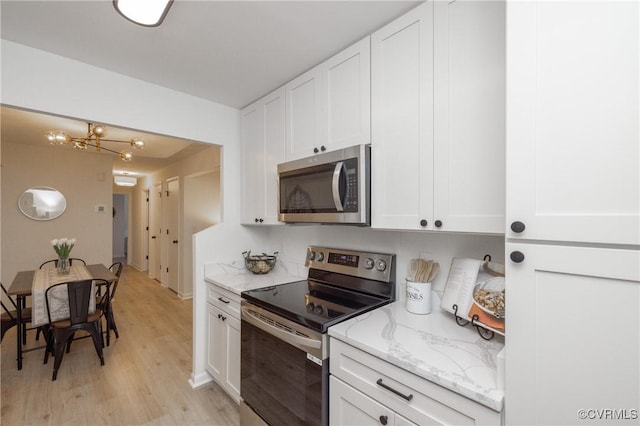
column 155, row 231
column 120, row 237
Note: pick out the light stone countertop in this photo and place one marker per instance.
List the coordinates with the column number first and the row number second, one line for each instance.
column 431, row 346
column 233, row 276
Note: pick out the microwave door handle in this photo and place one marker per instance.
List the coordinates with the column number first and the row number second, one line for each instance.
column 337, row 172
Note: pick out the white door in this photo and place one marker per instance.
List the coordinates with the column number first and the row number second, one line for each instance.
column 172, row 235
column 402, row 122
column 303, row 109
column 346, row 97
column 573, row 334
column 573, row 95
column 145, row 231
column 155, row 231
column 469, row 116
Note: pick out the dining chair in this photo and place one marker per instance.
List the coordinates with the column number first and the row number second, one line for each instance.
column 79, row 297
column 10, row 316
column 55, row 262
column 106, row 304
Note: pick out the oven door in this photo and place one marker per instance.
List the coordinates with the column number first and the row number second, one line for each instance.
column 284, row 378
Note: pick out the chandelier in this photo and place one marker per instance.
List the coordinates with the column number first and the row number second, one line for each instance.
column 95, row 136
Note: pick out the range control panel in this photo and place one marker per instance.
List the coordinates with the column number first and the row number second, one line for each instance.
column 376, row 266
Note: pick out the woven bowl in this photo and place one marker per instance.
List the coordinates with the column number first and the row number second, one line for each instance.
column 259, row 264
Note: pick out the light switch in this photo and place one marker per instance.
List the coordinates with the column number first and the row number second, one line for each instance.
column 100, row 208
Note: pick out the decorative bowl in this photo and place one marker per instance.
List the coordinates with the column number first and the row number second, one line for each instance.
column 261, row 263
column 489, row 296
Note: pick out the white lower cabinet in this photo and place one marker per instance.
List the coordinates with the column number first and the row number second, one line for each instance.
column 223, row 340
column 351, row 407
column 573, row 335
column 381, row 393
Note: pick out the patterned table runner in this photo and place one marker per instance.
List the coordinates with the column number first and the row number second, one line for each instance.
column 58, row 298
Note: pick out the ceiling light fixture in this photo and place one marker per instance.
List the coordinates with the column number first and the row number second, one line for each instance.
column 95, row 137
column 148, row 13
column 125, row 180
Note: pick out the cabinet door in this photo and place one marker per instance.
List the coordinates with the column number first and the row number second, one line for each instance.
column 348, row 406
column 402, row 122
column 573, row 333
column 303, row 114
column 252, row 139
column 216, row 347
column 232, row 376
column 573, row 157
column 469, row 116
column 274, row 139
column 346, row 97
column 263, row 145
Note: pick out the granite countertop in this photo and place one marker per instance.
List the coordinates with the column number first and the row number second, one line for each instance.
column 431, row 346
column 233, row 276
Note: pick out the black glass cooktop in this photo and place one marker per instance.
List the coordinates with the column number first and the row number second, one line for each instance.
column 313, row 304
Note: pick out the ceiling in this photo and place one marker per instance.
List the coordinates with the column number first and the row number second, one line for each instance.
column 230, row 52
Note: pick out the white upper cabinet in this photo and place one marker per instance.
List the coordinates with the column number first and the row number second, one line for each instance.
column 328, row 107
column 573, row 129
column 263, row 144
column 469, row 116
column 303, row 112
column 346, row 97
column 438, row 140
column 402, row 122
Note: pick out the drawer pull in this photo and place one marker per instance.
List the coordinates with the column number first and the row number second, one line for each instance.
column 223, row 300
column 400, row 394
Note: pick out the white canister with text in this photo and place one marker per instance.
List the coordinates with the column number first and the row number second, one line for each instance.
column 418, row 297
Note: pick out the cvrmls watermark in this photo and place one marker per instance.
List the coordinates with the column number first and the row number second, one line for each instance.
column 608, row 414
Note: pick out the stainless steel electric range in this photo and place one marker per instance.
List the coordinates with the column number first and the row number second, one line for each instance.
column 284, row 347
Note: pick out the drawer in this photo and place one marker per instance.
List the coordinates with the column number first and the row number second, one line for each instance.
column 411, row 396
column 224, row 299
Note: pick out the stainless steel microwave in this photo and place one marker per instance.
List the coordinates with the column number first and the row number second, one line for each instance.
column 333, row 187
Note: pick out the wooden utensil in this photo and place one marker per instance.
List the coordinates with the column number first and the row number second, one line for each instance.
column 434, row 272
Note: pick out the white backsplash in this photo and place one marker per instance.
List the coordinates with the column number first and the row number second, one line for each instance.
column 292, row 241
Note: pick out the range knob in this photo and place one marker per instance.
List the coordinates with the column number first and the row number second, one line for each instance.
column 310, row 307
column 319, row 309
column 381, row 265
column 320, row 256
column 368, row 263
column 311, row 255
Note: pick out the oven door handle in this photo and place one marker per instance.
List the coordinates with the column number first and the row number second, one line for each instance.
column 335, row 185
column 312, row 346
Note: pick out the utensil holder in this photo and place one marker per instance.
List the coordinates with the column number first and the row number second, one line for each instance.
column 418, row 297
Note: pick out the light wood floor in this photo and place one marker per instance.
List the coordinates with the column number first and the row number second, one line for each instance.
column 143, row 381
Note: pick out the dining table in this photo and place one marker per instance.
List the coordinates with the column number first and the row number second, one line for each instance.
column 23, row 284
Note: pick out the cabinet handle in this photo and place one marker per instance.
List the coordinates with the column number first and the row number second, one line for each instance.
column 438, row 223
column 219, row 315
column 315, row 150
column 517, row 256
column 261, row 220
column 255, row 220
column 222, row 317
column 322, row 148
column 423, row 222
column 384, row 419
column 223, row 300
column 517, row 227
column 400, row 394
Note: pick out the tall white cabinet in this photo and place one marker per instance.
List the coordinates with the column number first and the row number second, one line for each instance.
column 573, row 213
column 438, row 141
column 263, row 133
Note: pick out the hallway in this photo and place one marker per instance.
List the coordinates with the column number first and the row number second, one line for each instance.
column 144, row 379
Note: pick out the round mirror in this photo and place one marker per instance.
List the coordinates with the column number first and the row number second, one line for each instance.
column 42, row 203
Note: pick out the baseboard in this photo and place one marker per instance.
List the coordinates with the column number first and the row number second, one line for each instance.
column 200, row 380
